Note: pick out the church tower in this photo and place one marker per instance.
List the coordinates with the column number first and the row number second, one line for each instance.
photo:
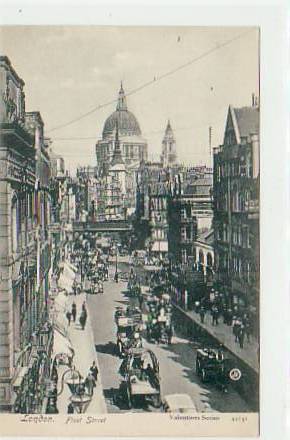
column 168, row 156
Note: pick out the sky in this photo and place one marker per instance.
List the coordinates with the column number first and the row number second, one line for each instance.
column 70, row 70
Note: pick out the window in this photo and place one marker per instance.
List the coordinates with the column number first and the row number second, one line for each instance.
column 245, row 237
column 183, row 213
column 239, row 236
column 225, row 232
column 183, row 233
column 15, row 224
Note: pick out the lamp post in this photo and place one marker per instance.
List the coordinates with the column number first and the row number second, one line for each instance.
column 79, row 399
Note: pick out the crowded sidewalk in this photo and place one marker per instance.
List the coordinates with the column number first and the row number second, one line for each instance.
column 83, row 345
column 224, row 334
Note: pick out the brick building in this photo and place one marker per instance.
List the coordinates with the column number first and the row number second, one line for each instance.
column 236, row 207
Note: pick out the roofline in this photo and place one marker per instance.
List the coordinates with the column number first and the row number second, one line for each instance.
column 6, row 60
column 235, row 122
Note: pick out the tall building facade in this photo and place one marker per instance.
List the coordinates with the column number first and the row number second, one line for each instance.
column 236, row 207
column 25, row 334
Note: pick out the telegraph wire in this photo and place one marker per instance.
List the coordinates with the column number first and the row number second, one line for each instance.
column 100, row 137
column 153, row 81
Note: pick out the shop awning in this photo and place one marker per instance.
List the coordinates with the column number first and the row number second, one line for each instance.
column 61, row 344
column 160, row 246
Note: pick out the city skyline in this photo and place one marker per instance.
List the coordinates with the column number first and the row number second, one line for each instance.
column 193, row 98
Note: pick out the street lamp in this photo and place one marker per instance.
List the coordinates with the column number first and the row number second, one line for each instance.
column 116, row 263
column 79, row 399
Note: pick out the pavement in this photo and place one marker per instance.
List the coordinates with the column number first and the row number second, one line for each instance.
column 177, row 361
column 223, row 333
column 85, row 353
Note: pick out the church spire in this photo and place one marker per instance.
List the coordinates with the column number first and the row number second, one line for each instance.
column 117, row 155
column 168, row 156
column 122, row 104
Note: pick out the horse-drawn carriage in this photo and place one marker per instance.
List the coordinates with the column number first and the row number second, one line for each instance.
column 140, row 372
column 128, row 335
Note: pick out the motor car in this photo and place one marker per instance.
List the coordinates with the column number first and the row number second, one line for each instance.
column 210, row 364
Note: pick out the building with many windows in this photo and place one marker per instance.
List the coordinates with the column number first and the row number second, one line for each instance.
column 25, row 335
column 236, row 207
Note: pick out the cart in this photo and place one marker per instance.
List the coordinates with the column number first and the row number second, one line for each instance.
column 140, row 372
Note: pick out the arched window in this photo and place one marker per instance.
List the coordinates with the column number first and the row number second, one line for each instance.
column 201, row 257
column 209, row 261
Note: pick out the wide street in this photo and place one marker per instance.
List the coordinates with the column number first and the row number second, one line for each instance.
column 177, row 362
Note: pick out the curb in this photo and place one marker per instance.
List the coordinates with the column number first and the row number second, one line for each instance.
column 204, row 328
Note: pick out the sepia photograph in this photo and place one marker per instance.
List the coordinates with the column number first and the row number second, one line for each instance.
column 129, row 219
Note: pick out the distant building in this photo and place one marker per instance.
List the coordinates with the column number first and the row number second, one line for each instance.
column 168, row 156
column 189, row 213
column 132, row 146
column 236, row 207
column 204, row 255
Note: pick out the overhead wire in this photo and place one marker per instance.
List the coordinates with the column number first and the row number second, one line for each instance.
column 153, row 81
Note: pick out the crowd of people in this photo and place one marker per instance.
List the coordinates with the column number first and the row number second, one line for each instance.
column 237, row 318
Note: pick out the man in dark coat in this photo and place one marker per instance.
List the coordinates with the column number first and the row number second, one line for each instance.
column 94, row 371
column 74, row 311
column 68, row 317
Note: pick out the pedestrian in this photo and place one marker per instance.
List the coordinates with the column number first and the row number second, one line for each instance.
column 241, row 335
column 236, row 328
column 215, row 314
column 202, row 314
column 83, row 306
column 169, row 334
column 229, row 316
column 90, row 383
column 83, row 319
column 94, row 371
column 68, row 316
column 196, row 306
column 74, row 311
